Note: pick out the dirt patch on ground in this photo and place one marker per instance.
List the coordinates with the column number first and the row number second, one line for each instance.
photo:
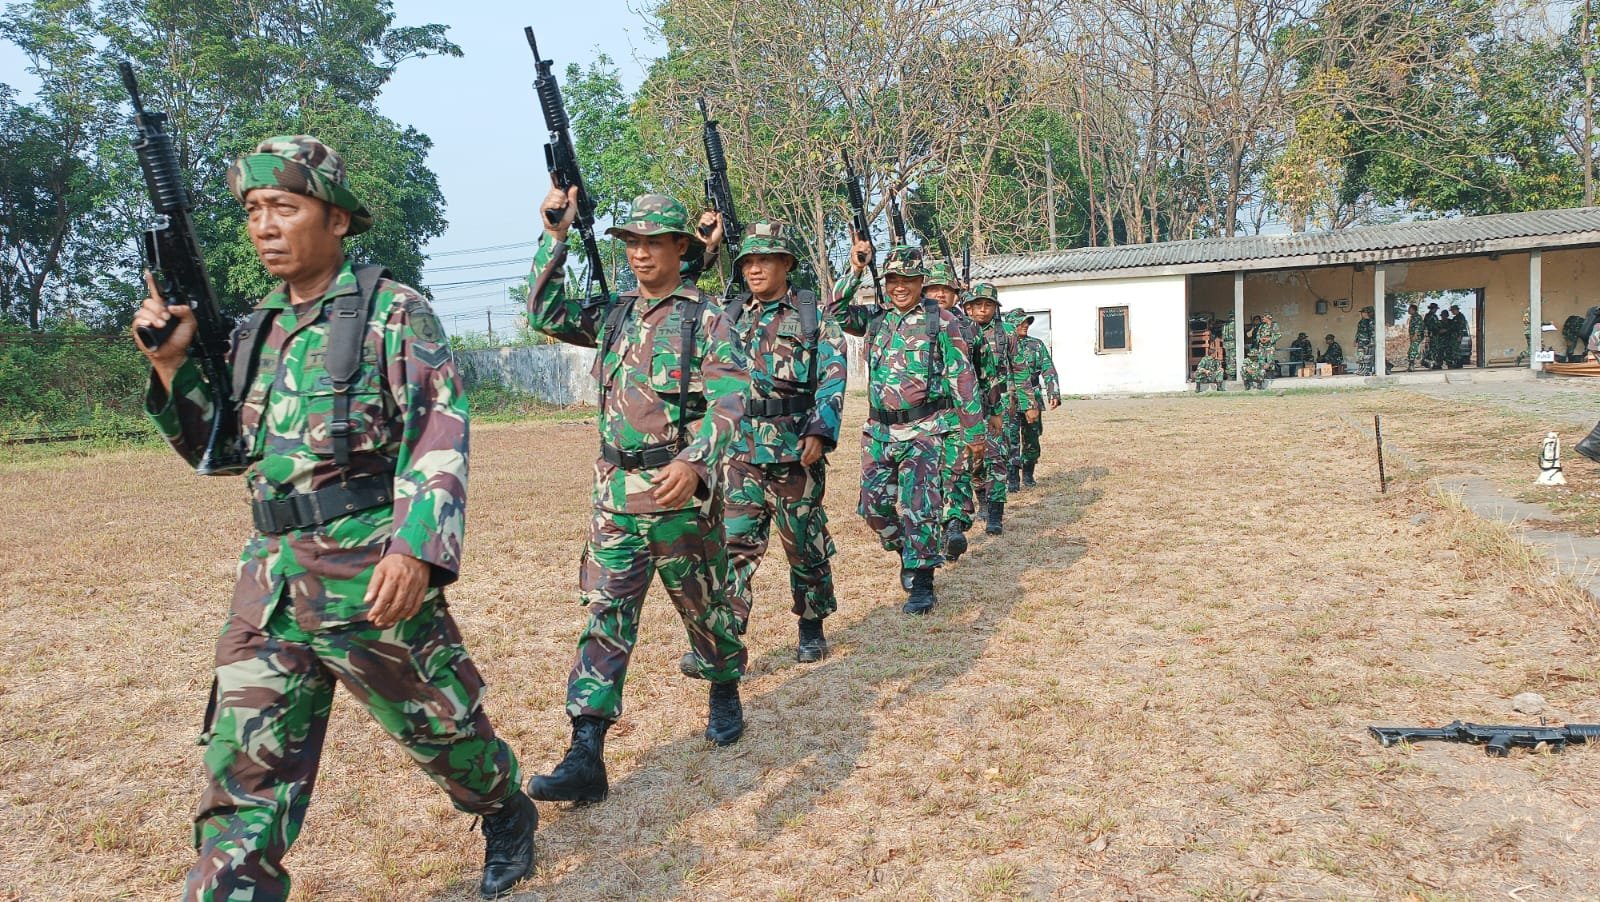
column 1155, row 686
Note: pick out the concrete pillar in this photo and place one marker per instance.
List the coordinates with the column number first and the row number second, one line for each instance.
column 1238, row 326
column 1535, row 309
column 1380, row 328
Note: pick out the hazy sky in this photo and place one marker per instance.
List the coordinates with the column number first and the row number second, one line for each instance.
column 484, row 120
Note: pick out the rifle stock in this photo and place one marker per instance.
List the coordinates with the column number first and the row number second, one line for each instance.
column 172, row 253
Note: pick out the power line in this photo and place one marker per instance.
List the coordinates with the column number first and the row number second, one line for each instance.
column 483, row 250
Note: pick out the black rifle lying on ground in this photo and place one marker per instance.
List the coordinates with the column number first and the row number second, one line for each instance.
column 859, row 222
column 1496, row 740
column 562, row 160
column 173, row 256
column 719, row 195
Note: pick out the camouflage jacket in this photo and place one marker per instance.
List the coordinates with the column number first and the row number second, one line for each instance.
column 1416, row 328
column 770, row 335
column 899, row 363
column 410, row 418
column 638, row 372
column 986, row 363
column 1002, row 349
column 1267, row 335
column 1364, row 333
column 1032, row 369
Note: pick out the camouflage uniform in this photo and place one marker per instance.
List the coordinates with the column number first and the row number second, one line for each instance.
column 766, row 484
column 1433, row 328
column 1033, row 379
column 1229, row 348
column 989, row 482
column 960, row 502
column 298, row 626
column 1208, row 372
column 1261, row 361
column 1415, row 334
column 1366, row 358
column 640, row 370
column 902, row 491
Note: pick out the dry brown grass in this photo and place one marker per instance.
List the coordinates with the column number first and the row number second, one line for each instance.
column 1156, row 687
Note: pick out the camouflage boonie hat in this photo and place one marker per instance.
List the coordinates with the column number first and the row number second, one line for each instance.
column 765, row 238
column 658, row 214
column 303, row 165
column 904, row 260
column 939, row 274
column 1018, row 318
column 983, row 291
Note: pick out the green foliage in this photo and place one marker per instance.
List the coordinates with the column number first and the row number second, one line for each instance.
column 495, row 402
column 69, row 380
column 71, row 197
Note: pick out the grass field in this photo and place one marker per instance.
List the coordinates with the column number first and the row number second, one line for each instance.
column 1156, row 686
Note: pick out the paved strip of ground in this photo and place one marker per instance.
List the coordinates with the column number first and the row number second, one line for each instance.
column 1156, row 686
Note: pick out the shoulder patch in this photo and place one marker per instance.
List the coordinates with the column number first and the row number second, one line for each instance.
column 425, row 324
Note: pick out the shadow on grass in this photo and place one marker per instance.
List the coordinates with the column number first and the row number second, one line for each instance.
column 805, row 738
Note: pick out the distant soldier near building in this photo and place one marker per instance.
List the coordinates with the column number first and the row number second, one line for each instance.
column 1229, row 347
column 1209, row 370
column 989, row 479
column 920, row 390
column 1366, row 356
column 962, row 462
column 354, row 425
column 776, row 475
column 672, row 385
column 1034, row 382
column 1416, row 334
column 1261, row 361
column 1433, row 331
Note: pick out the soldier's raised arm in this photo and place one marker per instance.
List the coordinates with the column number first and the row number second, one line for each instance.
column 854, row 318
column 574, row 320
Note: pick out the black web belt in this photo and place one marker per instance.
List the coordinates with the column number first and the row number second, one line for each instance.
column 778, row 407
column 643, row 459
column 909, row 415
column 303, row 510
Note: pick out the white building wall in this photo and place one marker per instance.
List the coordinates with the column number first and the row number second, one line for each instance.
column 1157, row 328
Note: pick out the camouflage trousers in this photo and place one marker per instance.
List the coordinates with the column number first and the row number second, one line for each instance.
column 1365, row 359
column 273, row 693
column 1414, row 353
column 966, row 482
column 624, row 552
column 788, row 496
column 902, row 496
column 1208, row 372
column 1022, row 438
column 1257, row 368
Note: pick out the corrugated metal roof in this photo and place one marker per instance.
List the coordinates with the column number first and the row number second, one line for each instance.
column 1418, row 240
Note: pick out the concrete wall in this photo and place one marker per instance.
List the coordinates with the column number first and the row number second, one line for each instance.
column 559, row 374
column 1571, row 286
column 1157, row 329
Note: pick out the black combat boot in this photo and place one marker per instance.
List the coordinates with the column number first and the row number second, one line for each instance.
column 1013, row 478
column 955, row 542
column 1027, row 474
column 813, row 646
column 922, row 598
column 1590, row 445
column 508, row 845
column 997, row 517
column 581, row 775
column 725, row 723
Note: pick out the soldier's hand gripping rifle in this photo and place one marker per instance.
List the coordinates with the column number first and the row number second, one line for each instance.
column 1497, row 741
column 561, row 158
column 859, row 222
column 173, row 255
column 719, row 195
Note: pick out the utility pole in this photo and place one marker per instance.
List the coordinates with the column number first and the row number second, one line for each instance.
column 488, row 314
column 1050, row 189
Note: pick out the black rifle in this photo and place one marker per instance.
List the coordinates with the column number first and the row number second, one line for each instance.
column 561, row 158
column 859, row 222
column 898, row 220
column 719, row 196
column 949, row 261
column 173, row 255
column 966, row 264
column 1496, row 740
